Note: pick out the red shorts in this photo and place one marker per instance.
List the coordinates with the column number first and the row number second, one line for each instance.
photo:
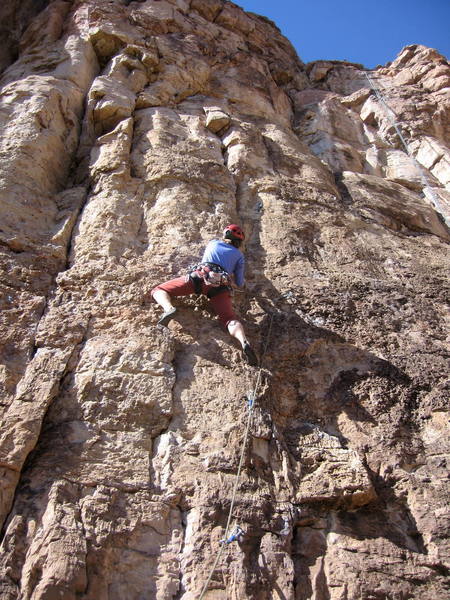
column 183, row 286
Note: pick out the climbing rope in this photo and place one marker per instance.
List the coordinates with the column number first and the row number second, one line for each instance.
column 251, row 404
column 427, row 190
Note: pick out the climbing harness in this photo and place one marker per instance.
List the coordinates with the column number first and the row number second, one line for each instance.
column 428, row 192
column 211, row 274
column 238, row 533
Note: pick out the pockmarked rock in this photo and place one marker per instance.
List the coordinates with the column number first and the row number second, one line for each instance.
column 131, row 134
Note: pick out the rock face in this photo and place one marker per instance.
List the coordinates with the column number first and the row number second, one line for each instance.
column 131, row 133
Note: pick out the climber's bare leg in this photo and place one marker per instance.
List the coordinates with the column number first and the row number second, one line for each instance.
column 236, row 329
column 162, row 298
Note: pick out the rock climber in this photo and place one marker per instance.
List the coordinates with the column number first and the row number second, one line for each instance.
column 222, row 267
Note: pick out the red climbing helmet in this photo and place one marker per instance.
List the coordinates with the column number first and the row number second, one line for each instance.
column 233, row 232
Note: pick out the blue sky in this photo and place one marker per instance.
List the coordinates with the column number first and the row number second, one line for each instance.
column 371, row 33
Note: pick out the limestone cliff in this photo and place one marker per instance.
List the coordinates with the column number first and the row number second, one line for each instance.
column 130, row 134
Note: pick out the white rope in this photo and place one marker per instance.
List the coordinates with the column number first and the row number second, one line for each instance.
column 205, row 587
column 252, row 401
column 389, row 112
column 427, row 190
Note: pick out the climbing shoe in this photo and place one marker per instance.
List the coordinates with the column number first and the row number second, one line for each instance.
column 249, row 355
column 167, row 317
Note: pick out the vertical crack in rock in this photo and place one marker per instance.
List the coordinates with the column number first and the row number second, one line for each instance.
column 181, row 572
column 15, row 17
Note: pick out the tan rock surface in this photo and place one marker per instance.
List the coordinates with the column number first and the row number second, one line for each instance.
column 131, row 133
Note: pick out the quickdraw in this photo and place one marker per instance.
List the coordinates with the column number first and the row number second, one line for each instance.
column 236, row 536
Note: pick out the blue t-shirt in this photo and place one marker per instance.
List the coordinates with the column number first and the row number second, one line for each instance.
column 228, row 257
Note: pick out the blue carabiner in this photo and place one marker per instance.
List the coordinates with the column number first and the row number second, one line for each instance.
column 237, row 533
